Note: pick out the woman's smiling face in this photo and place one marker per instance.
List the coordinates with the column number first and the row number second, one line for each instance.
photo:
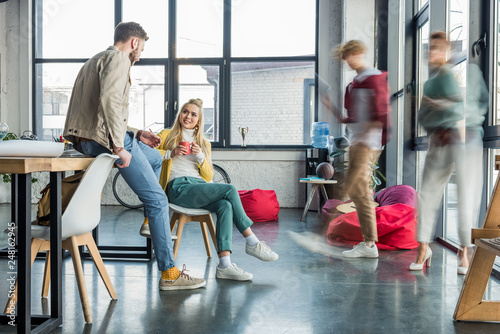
column 189, row 116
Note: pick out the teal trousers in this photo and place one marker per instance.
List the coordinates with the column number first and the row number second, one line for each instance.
column 220, row 198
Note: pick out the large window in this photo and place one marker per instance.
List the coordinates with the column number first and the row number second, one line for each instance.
column 268, row 99
column 263, row 28
column 153, row 16
column 252, row 67
column 199, row 28
column 458, row 32
column 202, row 81
column 73, row 29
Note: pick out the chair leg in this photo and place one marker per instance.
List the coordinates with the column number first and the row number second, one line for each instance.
column 96, row 256
column 82, row 289
column 35, row 247
column 183, row 219
column 173, row 221
column 470, row 305
column 211, row 229
column 46, row 276
column 205, row 238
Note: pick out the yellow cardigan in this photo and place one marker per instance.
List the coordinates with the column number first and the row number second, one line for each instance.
column 206, row 169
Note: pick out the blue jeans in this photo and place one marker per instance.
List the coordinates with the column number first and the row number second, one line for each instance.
column 142, row 177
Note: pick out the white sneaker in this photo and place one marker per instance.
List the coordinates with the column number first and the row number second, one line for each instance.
column 261, row 251
column 234, row 273
column 361, row 250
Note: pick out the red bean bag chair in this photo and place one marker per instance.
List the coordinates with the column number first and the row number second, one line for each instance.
column 396, row 225
column 260, row 205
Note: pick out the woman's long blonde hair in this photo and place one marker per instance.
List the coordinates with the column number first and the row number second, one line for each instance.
column 175, row 136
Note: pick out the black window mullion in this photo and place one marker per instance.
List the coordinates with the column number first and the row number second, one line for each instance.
column 118, row 11
column 36, row 48
column 225, row 110
column 172, row 78
column 316, row 70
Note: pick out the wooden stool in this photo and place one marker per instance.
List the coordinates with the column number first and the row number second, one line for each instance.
column 182, row 215
column 470, row 305
column 316, row 183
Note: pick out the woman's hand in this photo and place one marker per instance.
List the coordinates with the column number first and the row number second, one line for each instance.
column 195, row 149
column 179, row 150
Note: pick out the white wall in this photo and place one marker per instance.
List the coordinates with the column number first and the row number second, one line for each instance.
column 276, row 170
column 15, row 66
column 15, row 71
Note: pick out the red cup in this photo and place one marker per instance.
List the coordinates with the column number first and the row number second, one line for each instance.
column 187, row 146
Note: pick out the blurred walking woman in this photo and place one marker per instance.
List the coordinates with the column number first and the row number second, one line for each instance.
column 454, row 134
column 185, row 176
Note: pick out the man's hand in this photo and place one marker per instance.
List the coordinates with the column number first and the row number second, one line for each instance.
column 327, row 102
column 150, row 139
column 125, row 156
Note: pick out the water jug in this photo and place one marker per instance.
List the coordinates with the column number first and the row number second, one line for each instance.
column 320, row 132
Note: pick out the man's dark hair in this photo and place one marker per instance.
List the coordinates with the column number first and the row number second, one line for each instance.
column 126, row 30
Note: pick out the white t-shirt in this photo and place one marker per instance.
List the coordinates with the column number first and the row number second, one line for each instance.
column 185, row 165
column 362, row 99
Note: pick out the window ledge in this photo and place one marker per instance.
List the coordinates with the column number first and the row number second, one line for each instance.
column 262, row 154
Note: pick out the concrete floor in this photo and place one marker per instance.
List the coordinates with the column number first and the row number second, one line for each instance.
column 310, row 289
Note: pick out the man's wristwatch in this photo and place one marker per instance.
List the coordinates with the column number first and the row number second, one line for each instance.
column 138, row 135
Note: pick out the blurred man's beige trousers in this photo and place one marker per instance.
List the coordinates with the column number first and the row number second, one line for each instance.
column 357, row 186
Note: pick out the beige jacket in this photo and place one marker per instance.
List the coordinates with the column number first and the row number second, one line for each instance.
column 98, row 109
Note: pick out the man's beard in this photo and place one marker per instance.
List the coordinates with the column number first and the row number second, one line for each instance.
column 132, row 56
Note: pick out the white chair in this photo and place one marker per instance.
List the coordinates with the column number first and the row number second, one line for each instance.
column 182, row 215
column 81, row 216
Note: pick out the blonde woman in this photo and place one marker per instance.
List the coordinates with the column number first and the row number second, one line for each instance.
column 185, row 177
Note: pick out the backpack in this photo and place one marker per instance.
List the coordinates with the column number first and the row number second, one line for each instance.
column 68, row 188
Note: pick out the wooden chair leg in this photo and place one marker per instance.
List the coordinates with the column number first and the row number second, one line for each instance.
column 82, row 289
column 173, row 221
column 35, row 247
column 96, row 256
column 205, row 238
column 470, row 305
column 46, row 276
column 183, row 219
column 211, row 229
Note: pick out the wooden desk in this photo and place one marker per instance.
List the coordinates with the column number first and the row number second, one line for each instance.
column 315, row 185
column 21, row 169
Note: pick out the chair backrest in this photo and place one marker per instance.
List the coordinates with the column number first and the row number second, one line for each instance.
column 83, row 212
